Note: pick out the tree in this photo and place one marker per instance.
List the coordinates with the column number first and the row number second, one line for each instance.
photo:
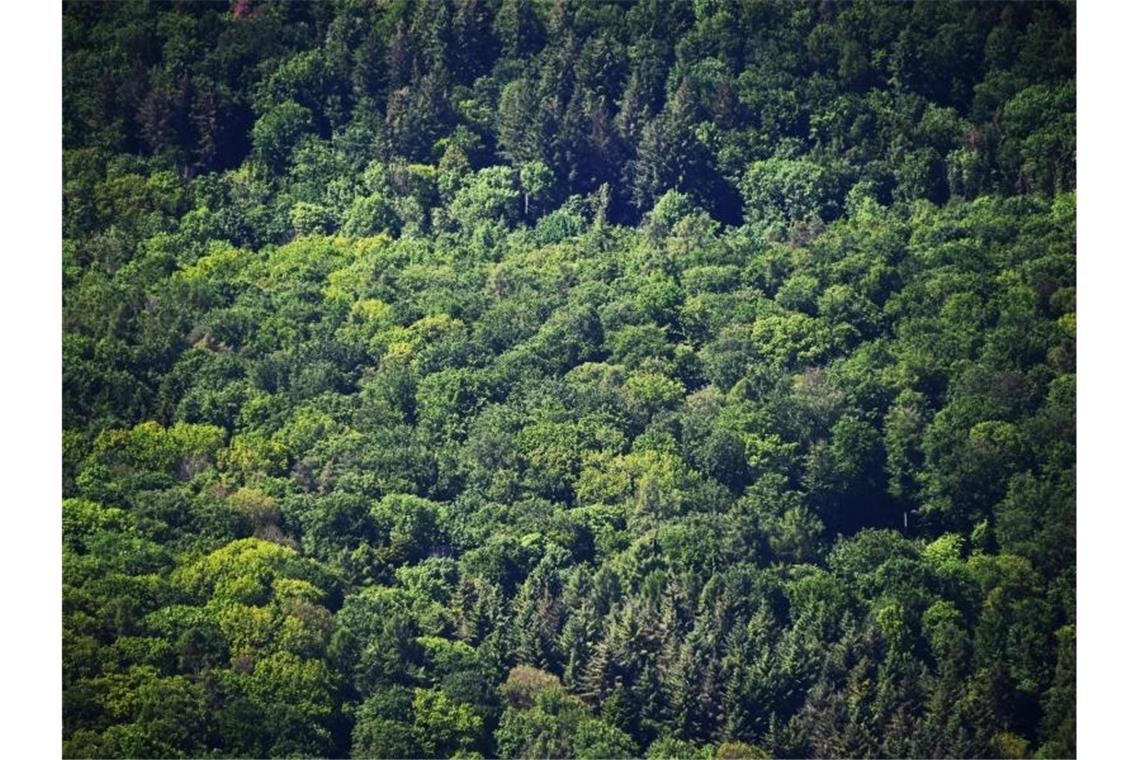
column 278, row 131
column 442, row 726
column 598, row 739
column 548, row 729
column 790, row 190
column 517, row 28
column 537, row 182
column 522, row 127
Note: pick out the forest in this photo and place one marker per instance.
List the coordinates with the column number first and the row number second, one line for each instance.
column 569, row 378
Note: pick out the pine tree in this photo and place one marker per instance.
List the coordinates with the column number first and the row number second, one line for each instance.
column 601, row 668
column 475, row 47
column 400, row 58
column 539, row 618
column 518, row 28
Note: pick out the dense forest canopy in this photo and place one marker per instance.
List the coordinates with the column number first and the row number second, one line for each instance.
column 472, row 378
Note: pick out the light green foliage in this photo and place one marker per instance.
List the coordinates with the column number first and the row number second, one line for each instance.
column 945, row 550
column 668, row 748
column 310, row 218
column 598, row 739
column 789, row 189
column 242, row 572
column 443, row 726
column 548, row 729
column 797, row 340
column 149, row 446
column 537, row 182
column 652, row 483
column 370, row 215
column 490, row 194
column 83, row 519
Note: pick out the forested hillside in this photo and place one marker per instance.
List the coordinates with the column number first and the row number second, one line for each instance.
column 473, row 378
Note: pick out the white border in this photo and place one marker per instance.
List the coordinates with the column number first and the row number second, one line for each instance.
column 1107, row 494
column 31, row 43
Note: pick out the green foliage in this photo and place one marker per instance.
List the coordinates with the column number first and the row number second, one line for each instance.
column 278, row 132
column 789, row 189
column 442, row 726
column 548, row 729
column 511, row 379
column 598, row 739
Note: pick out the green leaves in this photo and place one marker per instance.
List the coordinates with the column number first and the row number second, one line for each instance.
column 441, row 726
column 715, row 358
column 244, row 571
column 790, row 190
column 278, row 131
column 645, row 476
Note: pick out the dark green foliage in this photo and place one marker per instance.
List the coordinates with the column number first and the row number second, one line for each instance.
column 459, row 378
